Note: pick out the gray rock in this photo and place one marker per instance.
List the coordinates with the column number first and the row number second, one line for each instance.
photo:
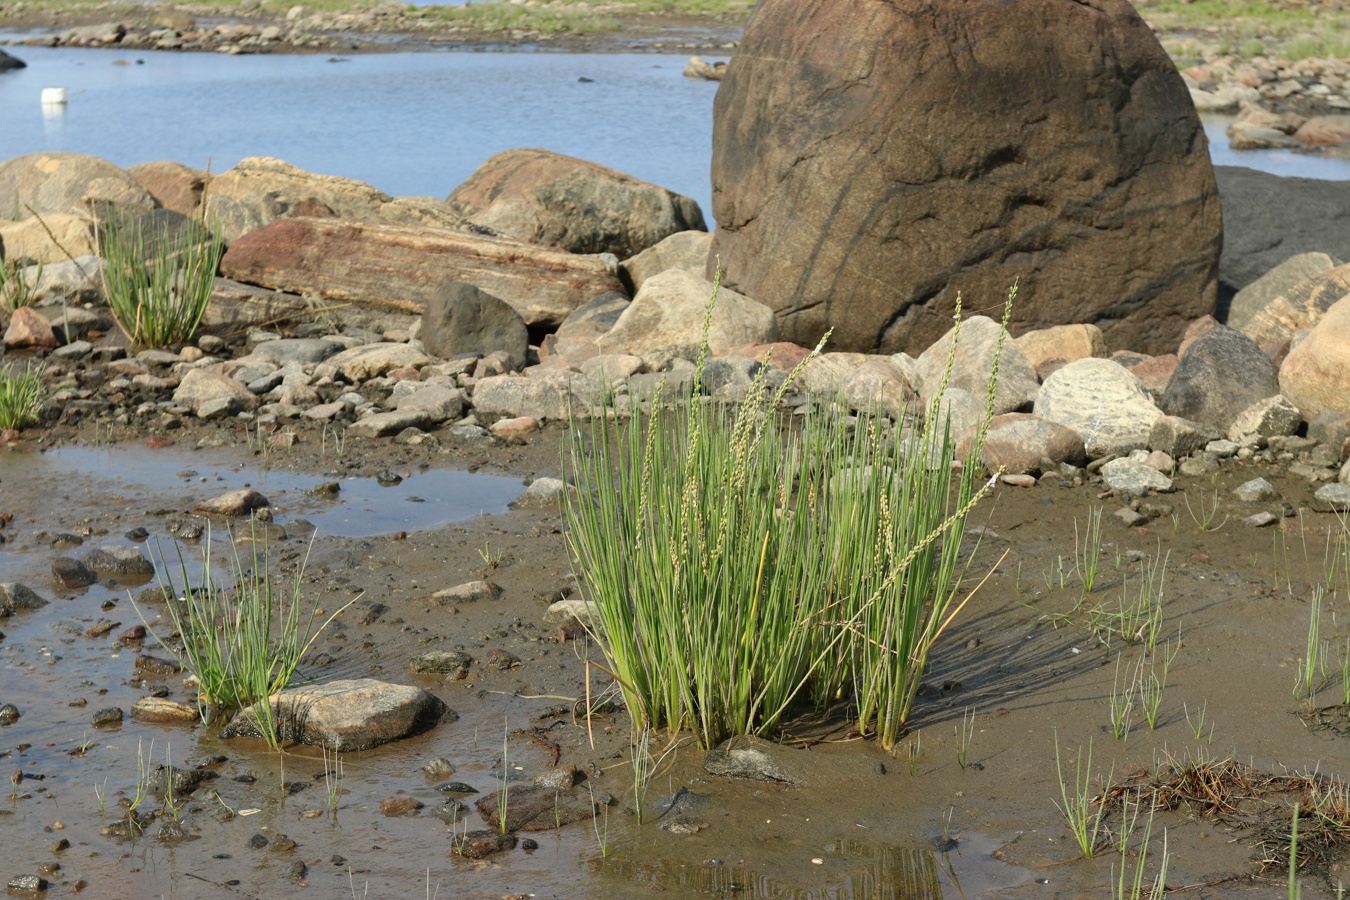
column 119, row 561
column 665, row 320
column 878, row 386
column 1262, row 519
column 1101, row 401
column 233, row 503
column 1258, row 490
column 1279, row 280
column 687, row 250
column 612, row 368
column 729, row 378
column 306, row 351
column 110, row 716
column 828, row 373
column 544, row 395
column 441, row 402
column 8, row 62
column 1222, row 449
column 367, row 361
column 543, row 493
column 347, row 715
column 583, row 611
column 1130, row 518
column 1221, row 374
column 469, row 592
column 15, row 596
column 1131, row 477
column 441, row 662
column 537, row 808
column 973, row 363
column 1332, row 498
column 1271, row 417
column 1017, row 442
column 207, row 386
column 387, row 423
column 759, row 760
column 70, row 281
column 71, row 573
column 462, row 318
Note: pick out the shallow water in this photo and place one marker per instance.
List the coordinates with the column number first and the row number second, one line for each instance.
column 408, row 123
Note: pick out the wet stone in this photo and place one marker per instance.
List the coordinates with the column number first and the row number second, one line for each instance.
column 1129, row 518
column 468, row 592
column 154, row 665
column 441, row 662
column 1260, row 520
column 1258, row 490
column 537, row 808
column 110, row 716
column 121, row 561
column 100, row 628
column 183, row 780
column 15, row 596
column 132, row 635
column 159, row 710
column 233, row 503
column 482, row 844
column 456, row 787
column 450, row 811
column 71, row 573
column 8, row 713
column 60, row 845
column 400, row 806
column 27, row 884
column 257, row 842
column 1332, row 498
column 500, row 659
column 558, row 779
column 438, row 768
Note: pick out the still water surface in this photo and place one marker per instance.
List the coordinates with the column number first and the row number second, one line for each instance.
column 408, row 123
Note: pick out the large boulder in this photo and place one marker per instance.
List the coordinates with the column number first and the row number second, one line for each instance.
column 1217, row 377
column 173, row 185
column 464, row 319
column 45, row 183
column 873, row 160
column 399, row 267
column 687, row 250
column 1267, row 219
column 543, row 197
column 261, row 189
column 1301, row 306
column 49, row 239
column 1315, row 375
column 1278, row 281
column 1101, row 401
column 665, row 320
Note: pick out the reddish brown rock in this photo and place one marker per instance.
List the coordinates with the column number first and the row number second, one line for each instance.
column 397, row 268
column 1017, row 442
column 1315, row 375
column 545, row 198
column 173, row 185
column 782, row 354
column 29, row 328
column 1322, row 133
column 871, row 160
column 1302, row 306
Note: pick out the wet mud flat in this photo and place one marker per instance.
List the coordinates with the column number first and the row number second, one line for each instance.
column 966, row 806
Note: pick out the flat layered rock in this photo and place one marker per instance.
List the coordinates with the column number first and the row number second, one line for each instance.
column 350, row 715
column 398, row 268
column 1101, row 401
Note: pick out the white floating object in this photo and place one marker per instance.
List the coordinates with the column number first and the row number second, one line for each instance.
column 53, row 96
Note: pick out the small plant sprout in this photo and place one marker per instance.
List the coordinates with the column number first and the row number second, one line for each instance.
column 965, row 733
column 1306, row 676
column 1197, row 724
column 15, row 288
column 912, row 750
column 20, row 395
column 504, row 787
column 1204, row 513
column 101, row 792
column 601, row 836
column 1151, row 687
column 1130, row 884
column 1076, row 801
column 1295, row 889
column 332, row 777
column 490, row 560
column 1088, row 554
column 1122, row 703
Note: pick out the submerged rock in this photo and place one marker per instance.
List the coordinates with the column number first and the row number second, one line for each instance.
column 537, row 808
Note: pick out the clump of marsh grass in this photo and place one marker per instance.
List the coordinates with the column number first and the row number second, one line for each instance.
column 242, row 644
column 739, row 562
column 157, row 278
column 20, row 395
column 15, row 290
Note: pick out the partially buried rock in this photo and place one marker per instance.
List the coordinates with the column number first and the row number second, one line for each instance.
column 536, row 808
column 465, row 319
column 161, row 710
column 1131, row 477
column 71, row 573
column 110, row 716
column 233, row 504
column 1203, row 387
column 15, row 596
column 468, row 592
column 120, row 561
column 542, row 494
column 482, row 844
column 400, row 806
column 1332, row 498
column 353, row 715
column 154, row 665
column 441, row 662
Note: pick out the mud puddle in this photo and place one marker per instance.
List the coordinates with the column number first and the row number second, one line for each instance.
column 1031, row 664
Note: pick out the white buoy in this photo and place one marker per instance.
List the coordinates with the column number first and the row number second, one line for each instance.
column 54, row 96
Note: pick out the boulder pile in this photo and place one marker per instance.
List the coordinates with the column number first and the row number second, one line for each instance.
column 453, row 333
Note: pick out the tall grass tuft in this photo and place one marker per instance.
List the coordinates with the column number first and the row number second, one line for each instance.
column 739, row 562
column 20, row 395
column 15, row 291
column 158, row 278
column 245, row 643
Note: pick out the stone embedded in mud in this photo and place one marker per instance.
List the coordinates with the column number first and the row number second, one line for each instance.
column 14, row 596
column 400, row 806
column 542, row 494
column 350, row 715
column 71, row 573
column 1261, row 519
column 372, row 360
column 482, row 844
column 537, row 808
column 110, row 716
column 9, row 713
column 438, row 767
column 387, row 423
column 1258, row 490
column 119, row 561
column 749, row 757
column 441, row 662
column 200, row 387
column 235, row 503
column 154, row 665
column 161, row 710
column 1103, row 402
column 1131, row 477
column 468, row 592
column 1332, row 498
column 26, row 884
